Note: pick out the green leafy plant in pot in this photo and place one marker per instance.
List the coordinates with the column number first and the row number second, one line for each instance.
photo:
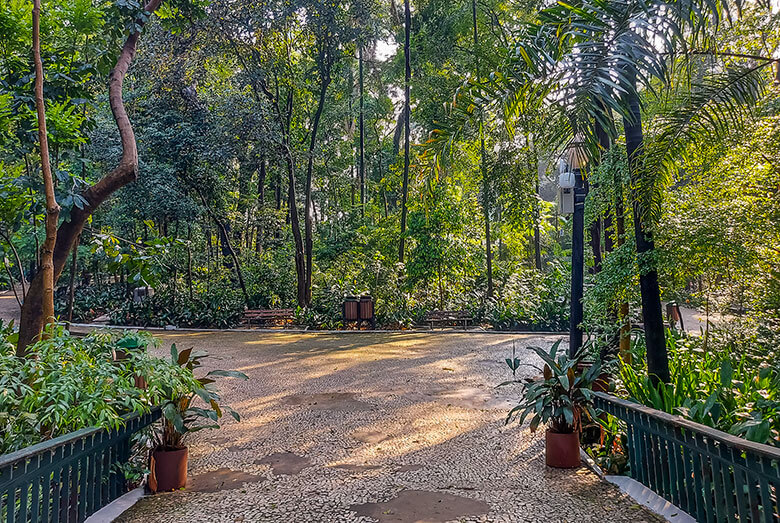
column 131, row 344
column 557, row 401
column 180, row 389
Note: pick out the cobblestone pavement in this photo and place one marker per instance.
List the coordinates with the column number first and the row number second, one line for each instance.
column 403, row 427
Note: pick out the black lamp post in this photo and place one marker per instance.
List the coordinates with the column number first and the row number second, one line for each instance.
column 577, row 161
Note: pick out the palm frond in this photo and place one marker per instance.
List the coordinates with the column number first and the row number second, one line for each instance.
column 713, row 109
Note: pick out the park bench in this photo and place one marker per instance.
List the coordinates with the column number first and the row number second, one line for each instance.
column 268, row 317
column 449, row 318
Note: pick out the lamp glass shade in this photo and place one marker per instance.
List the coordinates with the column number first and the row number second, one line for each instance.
column 567, row 180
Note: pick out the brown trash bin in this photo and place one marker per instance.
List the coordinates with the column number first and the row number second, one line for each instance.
column 350, row 309
column 367, row 309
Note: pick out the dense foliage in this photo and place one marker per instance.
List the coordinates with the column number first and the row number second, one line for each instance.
column 717, row 384
column 77, row 382
column 233, row 131
column 274, row 171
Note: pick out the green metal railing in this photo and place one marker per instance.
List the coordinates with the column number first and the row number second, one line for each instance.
column 67, row 479
column 711, row 475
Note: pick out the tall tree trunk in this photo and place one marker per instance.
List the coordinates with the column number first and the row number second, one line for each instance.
column 189, row 259
column 657, row 358
column 31, row 322
column 486, row 197
column 236, row 263
column 227, row 247
column 295, row 225
column 260, row 204
column 537, row 232
column 52, row 209
column 72, row 285
column 361, row 131
column 407, row 123
column 309, row 204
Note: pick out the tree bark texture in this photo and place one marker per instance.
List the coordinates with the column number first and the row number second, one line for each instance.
column 325, row 67
column 486, row 197
column 52, row 208
column 407, row 123
column 657, row 358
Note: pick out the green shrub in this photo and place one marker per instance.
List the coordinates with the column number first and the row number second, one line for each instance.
column 72, row 383
column 90, row 301
column 219, row 308
column 530, row 300
column 711, row 385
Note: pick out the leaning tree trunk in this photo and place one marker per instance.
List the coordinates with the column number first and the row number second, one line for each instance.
column 32, row 318
column 657, row 358
column 295, row 225
column 52, row 209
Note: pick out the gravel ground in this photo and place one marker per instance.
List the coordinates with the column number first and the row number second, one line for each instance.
column 398, row 426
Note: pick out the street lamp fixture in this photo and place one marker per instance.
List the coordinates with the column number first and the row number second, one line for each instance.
column 567, row 180
column 572, row 193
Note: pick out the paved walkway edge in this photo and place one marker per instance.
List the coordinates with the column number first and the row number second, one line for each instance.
column 318, row 331
column 641, row 494
column 647, row 498
column 115, row 509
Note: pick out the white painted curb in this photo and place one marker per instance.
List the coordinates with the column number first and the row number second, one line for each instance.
column 646, row 497
column 115, row 509
column 641, row 494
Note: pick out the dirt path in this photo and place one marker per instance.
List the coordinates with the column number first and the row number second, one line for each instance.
column 374, row 427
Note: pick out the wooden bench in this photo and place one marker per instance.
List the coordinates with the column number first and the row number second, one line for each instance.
column 268, row 317
column 449, row 317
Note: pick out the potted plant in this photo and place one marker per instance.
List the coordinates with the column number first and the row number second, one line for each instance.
column 181, row 417
column 556, row 400
column 131, row 344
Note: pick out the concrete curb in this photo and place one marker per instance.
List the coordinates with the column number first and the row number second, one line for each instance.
column 318, row 331
column 115, row 509
column 641, row 494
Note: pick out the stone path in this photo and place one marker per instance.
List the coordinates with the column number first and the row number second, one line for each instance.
column 393, row 427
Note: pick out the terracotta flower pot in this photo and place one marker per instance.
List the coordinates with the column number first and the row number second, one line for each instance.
column 168, row 470
column 562, row 450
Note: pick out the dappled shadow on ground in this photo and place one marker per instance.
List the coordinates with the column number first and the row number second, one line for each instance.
column 419, row 505
column 364, row 419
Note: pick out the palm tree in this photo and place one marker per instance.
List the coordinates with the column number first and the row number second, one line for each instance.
column 591, row 62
